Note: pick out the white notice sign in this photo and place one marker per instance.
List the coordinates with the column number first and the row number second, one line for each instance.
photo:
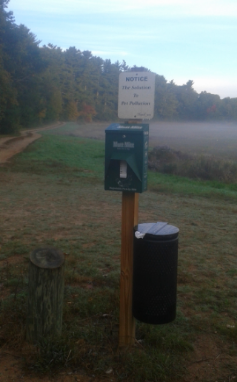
column 136, row 95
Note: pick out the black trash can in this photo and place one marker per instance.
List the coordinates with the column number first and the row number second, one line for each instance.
column 155, row 272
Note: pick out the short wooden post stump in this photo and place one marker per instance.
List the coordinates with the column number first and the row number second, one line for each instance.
column 45, row 294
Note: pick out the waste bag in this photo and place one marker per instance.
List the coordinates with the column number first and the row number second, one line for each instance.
column 155, row 264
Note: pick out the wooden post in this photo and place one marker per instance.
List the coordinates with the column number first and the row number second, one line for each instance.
column 129, row 220
column 45, row 294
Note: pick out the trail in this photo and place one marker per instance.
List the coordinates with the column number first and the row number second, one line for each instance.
column 12, row 146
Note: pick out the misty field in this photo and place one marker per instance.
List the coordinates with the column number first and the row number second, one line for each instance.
column 211, row 138
column 52, row 194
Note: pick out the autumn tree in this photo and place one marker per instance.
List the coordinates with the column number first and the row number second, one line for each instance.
column 87, row 112
column 45, row 84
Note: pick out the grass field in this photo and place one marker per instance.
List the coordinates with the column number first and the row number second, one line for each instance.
column 52, row 194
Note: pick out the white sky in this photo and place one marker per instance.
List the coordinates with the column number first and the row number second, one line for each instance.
column 179, row 39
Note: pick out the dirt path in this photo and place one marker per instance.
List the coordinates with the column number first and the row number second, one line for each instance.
column 12, row 146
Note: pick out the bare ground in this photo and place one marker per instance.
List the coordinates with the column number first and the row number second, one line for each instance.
column 11, row 146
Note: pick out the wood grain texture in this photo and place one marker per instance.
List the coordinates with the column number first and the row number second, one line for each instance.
column 45, row 298
column 129, row 220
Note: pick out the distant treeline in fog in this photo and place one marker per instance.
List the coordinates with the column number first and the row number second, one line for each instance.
column 39, row 85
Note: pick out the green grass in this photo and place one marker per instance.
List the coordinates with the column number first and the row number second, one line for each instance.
column 52, row 194
column 59, row 155
column 174, row 184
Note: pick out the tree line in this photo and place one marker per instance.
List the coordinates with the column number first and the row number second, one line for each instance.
column 39, row 85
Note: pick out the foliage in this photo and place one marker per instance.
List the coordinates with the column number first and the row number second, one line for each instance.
column 87, row 112
column 165, row 160
column 45, row 84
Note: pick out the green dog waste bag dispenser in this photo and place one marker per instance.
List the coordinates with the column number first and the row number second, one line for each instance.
column 126, row 148
column 155, row 272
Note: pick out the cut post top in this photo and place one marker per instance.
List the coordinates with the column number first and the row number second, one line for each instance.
column 47, row 257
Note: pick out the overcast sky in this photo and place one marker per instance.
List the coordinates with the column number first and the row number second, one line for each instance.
column 179, row 39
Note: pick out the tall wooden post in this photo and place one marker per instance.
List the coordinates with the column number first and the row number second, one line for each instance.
column 128, row 144
column 129, row 220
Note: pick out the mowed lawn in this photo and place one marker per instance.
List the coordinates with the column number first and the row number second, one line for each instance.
column 52, row 194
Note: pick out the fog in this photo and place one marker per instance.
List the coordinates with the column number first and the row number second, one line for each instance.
column 218, row 139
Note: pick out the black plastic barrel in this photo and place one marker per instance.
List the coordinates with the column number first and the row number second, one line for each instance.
column 155, row 272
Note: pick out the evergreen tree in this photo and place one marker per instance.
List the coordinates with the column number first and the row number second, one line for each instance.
column 45, row 84
column 208, row 106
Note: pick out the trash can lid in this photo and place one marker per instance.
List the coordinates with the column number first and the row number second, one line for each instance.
column 156, row 231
